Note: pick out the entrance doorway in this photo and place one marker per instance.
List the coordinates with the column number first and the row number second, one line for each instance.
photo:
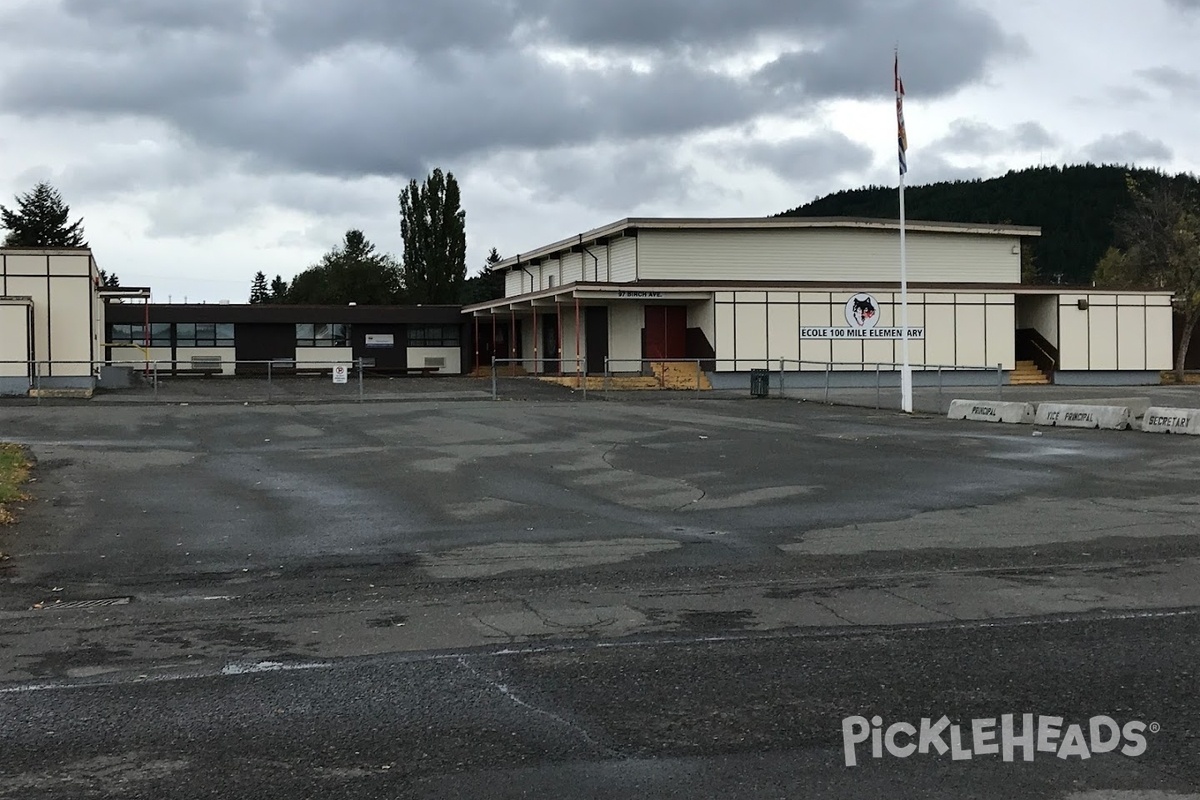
column 666, row 332
column 550, row 364
column 595, row 323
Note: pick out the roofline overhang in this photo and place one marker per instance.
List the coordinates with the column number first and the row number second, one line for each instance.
column 702, row 290
column 631, row 225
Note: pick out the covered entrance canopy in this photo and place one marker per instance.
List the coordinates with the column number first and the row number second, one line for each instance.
column 593, row 327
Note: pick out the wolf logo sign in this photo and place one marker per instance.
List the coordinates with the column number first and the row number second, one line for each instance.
column 862, row 311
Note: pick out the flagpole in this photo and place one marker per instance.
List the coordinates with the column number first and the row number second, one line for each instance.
column 906, row 389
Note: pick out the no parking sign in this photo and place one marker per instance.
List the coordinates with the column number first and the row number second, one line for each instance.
column 340, row 373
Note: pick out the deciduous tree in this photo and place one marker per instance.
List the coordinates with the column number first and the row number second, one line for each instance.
column 351, row 273
column 435, row 243
column 1158, row 247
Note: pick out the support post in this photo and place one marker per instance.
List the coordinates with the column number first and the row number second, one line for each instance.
column 878, row 389
column 270, row 382
column 827, row 369
column 360, row 379
column 493, row 377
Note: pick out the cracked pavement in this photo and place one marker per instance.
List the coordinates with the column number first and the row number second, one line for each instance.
column 382, row 544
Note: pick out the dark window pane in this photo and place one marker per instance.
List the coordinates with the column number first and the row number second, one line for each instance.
column 304, row 331
column 225, row 332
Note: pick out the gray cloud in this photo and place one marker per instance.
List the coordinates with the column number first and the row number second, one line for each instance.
column 394, row 87
column 971, row 137
column 1129, row 147
column 811, row 160
column 943, row 46
column 610, row 178
column 1186, row 5
column 1173, row 80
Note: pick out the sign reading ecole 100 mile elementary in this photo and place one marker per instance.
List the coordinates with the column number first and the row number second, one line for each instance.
column 862, row 318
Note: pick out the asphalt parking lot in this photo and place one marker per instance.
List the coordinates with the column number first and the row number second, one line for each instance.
column 508, row 593
column 182, row 490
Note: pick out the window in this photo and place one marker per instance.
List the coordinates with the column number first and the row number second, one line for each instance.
column 204, row 334
column 322, row 334
column 433, row 336
column 160, row 334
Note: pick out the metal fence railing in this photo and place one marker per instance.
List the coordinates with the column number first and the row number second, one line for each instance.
column 269, row 381
column 282, row 381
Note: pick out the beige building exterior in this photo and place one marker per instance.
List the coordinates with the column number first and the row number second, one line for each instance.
column 51, row 319
column 813, row 295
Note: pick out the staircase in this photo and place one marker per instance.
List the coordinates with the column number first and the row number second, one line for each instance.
column 680, row 375
column 1028, row 374
column 670, row 376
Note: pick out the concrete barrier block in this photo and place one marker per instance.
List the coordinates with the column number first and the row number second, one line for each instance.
column 991, row 411
column 1071, row 415
column 1172, row 420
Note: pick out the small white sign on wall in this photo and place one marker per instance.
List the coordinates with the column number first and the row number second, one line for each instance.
column 341, row 373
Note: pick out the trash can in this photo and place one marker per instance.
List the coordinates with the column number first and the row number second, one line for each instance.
column 760, row 382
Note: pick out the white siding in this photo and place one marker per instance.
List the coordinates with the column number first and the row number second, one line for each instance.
column 228, row 356
column 64, row 307
column 1131, row 337
column 624, row 257
column 572, row 267
column 1115, row 332
column 724, row 344
column 322, row 358
column 451, row 355
column 750, row 328
column 626, row 321
column 14, row 339
column 783, row 338
column 1102, row 332
column 825, row 255
column 1159, row 335
column 1001, row 332
column 135, row 355
column 514, row 280
column 1072, row 333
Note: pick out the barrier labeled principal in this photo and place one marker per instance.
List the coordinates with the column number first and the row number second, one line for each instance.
column 1172, row 420
column 990, row 411
column 1068, row 415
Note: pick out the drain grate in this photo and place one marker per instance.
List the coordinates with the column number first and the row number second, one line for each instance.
column 77, row 604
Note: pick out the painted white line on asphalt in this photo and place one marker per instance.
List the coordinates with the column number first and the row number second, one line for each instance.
column 269, row 666
column 233, row 670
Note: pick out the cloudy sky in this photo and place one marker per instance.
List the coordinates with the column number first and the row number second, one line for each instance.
column 204, row 141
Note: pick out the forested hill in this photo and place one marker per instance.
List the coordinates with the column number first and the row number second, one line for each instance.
column 1074, row 206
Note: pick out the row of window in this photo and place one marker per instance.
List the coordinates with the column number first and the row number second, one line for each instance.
column 220, row 334
column 187, row 334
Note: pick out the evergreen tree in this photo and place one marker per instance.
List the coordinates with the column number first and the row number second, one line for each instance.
column 41, row 219
column 109, row 280
column 279, row 290
column 487, row 285
column 259, row 293
column 351, row 273
column 433, row 225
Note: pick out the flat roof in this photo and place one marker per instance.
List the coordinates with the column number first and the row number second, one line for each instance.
column 633, row 224
column 282, row 313
column 668, row 288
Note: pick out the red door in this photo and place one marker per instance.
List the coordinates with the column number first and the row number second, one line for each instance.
column 666, row 332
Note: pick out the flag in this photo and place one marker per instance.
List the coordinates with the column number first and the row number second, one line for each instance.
column 901, row 135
